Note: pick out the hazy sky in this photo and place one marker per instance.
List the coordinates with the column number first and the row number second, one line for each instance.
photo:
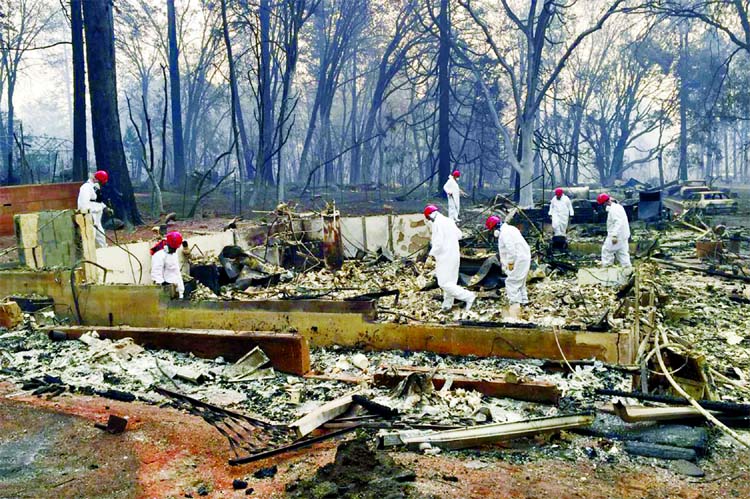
column 42, row 98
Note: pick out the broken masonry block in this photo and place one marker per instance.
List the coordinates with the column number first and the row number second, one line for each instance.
column 115, row 425
column 10, row 315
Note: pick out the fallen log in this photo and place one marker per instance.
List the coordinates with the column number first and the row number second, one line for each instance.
column 486, row 383
column 674, row 435
column 288, row 352
column 660, row 451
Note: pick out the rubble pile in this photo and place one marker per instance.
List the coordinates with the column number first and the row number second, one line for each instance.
column 92, row 365
column 428, row 402
column 712, row 318
column 555, row 302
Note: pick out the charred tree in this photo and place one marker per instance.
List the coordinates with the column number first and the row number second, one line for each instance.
column 238, row 122
column 682, row 68
column 266, row 126
column 105, row 117
column 80, row 152
column 444, row 90
column 178, row 149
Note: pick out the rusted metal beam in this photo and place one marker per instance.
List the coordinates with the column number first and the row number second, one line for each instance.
column 492, row 386
column 288, row 352
column 486, row 434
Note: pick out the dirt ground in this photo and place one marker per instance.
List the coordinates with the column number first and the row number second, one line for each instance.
column 49, row 448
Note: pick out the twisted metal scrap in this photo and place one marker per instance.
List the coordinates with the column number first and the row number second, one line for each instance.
column 246, row 434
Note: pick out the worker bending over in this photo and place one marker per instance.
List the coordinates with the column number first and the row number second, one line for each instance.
column 165, row 264
column 90, row 200
column 560, row 209
column 445, row 250
column 453, row 192
column 618, row 232
column 515, row 259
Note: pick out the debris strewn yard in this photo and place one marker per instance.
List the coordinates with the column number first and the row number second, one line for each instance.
column 577, row 380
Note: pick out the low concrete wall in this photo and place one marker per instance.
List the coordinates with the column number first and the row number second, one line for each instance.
column 400, row 234
column 323, row 323
column 125, row 269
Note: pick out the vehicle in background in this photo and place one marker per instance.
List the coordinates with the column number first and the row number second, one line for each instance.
column 711, row 203
column 702, row 200
column 687, row 191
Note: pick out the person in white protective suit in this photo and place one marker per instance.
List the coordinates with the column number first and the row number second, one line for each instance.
column 515, row 259
column 165, row 264
column 560, row 209
column 618, row 232
column 89, row 200
column 445, row 250
column 453, row 192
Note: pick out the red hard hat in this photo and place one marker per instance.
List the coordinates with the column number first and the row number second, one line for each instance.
column 456, row 173
column 492, row 222
column 558, row 191
column 174, row 239
column 602, row 198
column 101, row 176
column 430, row 209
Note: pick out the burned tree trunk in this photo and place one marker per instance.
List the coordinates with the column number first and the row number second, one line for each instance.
column 174, row 80
column 80, row 151
column 238, row 122
column 105, row 118
column 683, row 104
column 265, row 134
column 444, row 89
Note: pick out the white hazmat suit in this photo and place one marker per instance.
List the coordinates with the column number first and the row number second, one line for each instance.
column 445, row 249
column 514, row 252
column 560, row 210
column 165, row 267
column 87, row 203
column 617, row 229
column 453, row 191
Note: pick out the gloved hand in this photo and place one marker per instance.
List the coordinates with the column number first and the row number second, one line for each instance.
column 614, row 240
column 109, row 211
column 510, row 266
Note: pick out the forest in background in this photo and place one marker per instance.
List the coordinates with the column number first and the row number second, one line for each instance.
column 281, row 98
